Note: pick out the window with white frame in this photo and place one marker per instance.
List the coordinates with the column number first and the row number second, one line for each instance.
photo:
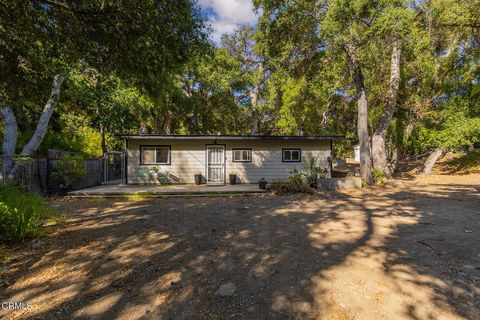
column 155, row 154
column 291, row 155
column 242, row 155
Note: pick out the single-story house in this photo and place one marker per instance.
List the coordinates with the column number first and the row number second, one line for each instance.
column 151, row 158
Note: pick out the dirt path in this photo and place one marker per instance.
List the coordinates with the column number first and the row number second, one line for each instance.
column 405, row 252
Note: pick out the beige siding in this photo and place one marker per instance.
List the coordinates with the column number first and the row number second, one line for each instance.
column 188, row 158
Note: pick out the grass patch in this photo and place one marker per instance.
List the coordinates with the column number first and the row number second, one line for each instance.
column 137, row 197
column 465, row 164
column 21, row 214
column 5, row 255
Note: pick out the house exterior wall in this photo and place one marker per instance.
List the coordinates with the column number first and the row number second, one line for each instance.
column 188, row 158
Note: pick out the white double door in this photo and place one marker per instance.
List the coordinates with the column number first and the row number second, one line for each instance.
column 215, row 164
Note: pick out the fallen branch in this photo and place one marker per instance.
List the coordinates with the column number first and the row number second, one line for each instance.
column 429, row 246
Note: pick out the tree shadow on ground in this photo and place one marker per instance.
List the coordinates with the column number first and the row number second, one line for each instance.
column 289, row 257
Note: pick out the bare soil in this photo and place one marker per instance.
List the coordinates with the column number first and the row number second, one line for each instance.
column 409, row 250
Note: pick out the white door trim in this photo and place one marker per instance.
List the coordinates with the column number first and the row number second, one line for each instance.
column 215, row 169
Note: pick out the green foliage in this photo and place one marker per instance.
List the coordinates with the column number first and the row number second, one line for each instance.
column 172, row 81
column 295, row 184
column 296, row 178
column 203, row 98
column 68, row 169
column 290, row 115
column 137, row 197
column 21, row 214
column 475, row 90
column 378, row 176
column 313, row 91
column 312, row 171
column 106, row 101
column 127, row 52
column 22, row 160
column 73, row 134
column 450, row 127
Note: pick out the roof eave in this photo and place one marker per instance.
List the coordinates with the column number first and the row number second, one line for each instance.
column 228, row 137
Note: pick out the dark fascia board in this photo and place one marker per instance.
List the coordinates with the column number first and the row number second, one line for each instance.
column 227, row 137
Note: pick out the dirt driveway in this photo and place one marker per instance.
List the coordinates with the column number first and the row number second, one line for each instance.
column 405, row 252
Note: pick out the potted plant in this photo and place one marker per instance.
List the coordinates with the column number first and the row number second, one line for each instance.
column 67, row 170
column 198, row 178
column 233, row 178
column 262, row 183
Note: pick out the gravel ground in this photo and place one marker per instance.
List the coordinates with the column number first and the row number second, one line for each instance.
column 404, row 251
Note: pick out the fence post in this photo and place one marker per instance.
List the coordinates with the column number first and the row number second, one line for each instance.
column 122, row 168
column 105, row 167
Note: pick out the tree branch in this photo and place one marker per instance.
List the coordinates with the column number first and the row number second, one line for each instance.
column 473, row 25
column 67, row 7
column 42, row 124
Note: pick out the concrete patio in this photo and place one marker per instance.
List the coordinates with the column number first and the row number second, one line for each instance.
column 117, row 190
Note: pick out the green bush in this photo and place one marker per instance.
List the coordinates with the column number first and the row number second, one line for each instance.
column 295, row 178
column 294, row 184
column 378, row 176
column 312, row 171
column 21, row 213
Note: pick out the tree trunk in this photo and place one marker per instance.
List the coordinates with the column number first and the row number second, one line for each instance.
column 254, row 94
column 194, row 122
column 101, row 128
column 9, row 137
column 253, row 112
column 103, row 140
column 362, row 121
column 143, row 128
column 42, row 124
column 409, row 127
column 363, row 137
column 167, row 123
column 431, row 160
column 394, row 160
column 379, row 155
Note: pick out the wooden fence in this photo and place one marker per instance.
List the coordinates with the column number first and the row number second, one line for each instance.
column 94, row 176
column 35, row 173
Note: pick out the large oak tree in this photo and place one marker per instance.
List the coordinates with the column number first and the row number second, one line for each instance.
column 41, row 41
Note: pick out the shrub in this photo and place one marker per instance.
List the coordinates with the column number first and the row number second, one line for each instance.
column 68, row 169
column 21, row 213
column 295, row 178
column 294, row 184
column 312, row 171
column 378, row 176
column 285, row 187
